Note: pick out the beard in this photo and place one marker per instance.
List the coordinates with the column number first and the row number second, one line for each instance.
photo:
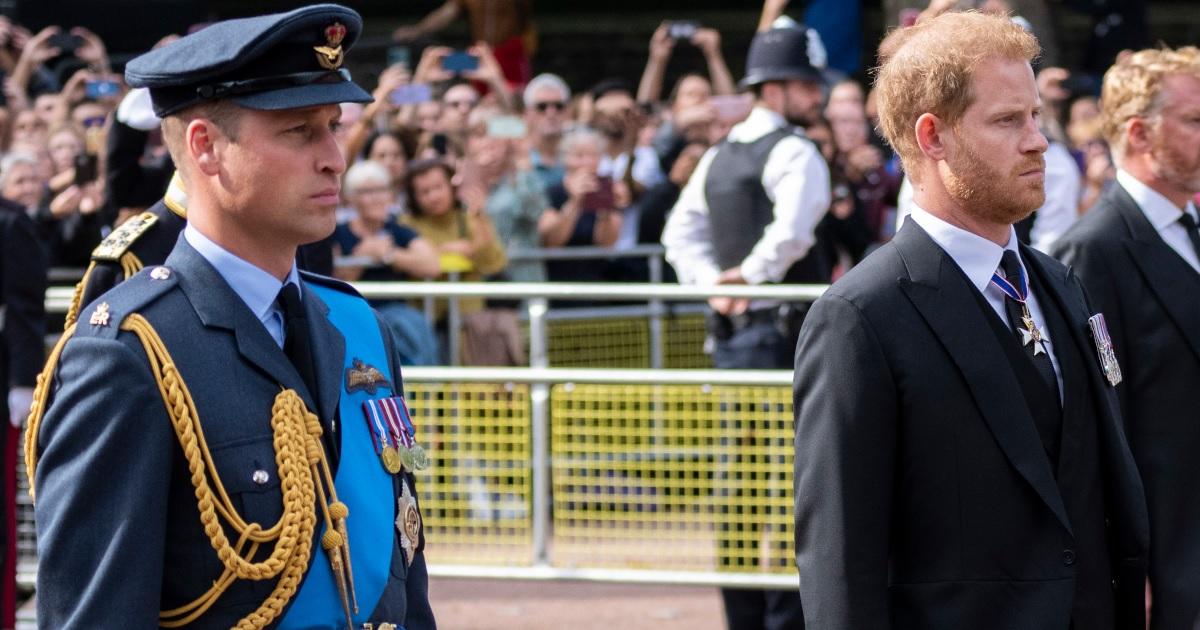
column 1175, row 167
column 989, row 194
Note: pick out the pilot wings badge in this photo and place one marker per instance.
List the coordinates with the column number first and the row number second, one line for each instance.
column 364, row 377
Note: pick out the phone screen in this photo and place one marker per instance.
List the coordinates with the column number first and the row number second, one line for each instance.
column 601, row 198
column 460, row 62
column 411, row 94
column 399, row 55
column 509, row 127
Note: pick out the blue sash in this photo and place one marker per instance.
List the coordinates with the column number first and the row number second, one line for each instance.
column 362, row 484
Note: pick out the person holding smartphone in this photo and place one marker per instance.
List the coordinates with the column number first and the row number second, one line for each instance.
column 584, row 208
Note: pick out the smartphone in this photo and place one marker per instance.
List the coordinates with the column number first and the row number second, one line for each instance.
column 85, row 168
column 100, row 90
column 460, row 62
column 731, row 108
column 65, row 42
column 509, row 127
column 411, row 94
column 682, row 29
column 399, row 55
column 601, row 198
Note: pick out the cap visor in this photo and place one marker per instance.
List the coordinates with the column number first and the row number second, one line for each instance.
column 305, row 96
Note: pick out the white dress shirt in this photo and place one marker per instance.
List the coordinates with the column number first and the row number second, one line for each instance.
column 1163, row 215
column 795, row 178
column 979, row 258
column 257, row 288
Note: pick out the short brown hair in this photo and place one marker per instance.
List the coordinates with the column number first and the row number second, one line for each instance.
column 226, row 115
column 1133, row 88
column 417, row 168
column 929, row 67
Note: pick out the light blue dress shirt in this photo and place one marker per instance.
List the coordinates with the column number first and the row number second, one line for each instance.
column 257, row 288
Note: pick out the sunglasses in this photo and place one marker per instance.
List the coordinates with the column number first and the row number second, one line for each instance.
column 547, row 105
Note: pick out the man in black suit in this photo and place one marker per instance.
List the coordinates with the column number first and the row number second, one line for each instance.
column 22, row 331
column 1138, row 254
column 959, row 457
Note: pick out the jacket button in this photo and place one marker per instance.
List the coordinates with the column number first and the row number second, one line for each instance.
column 260, row 477
column 1068, row 557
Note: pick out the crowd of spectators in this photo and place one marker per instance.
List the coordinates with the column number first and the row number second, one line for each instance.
column 467, row 157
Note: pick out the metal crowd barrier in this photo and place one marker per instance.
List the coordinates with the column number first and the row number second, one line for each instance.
column 664, row 476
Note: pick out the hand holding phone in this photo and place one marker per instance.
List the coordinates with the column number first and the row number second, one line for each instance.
column 506, row 127
column 682, row 29
column 601, row 198
column 460, row 62
column 411, row 94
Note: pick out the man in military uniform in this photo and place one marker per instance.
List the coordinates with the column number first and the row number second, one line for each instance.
column 748, row 215
column 222, row 441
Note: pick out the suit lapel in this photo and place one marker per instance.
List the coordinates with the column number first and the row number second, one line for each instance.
column 940, row 292
column 1162, row 268
column 329, row 352
column 218, row 306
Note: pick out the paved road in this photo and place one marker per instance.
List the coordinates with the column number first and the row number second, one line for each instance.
column 462, row 604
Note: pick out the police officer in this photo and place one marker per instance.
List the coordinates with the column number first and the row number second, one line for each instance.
column 748, row 215
column 222, row 440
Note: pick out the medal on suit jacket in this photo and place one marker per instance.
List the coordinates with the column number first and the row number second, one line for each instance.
column 1030, row 333
column 1104, row 348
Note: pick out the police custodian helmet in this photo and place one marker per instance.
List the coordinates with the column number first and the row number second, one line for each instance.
column 787, row 51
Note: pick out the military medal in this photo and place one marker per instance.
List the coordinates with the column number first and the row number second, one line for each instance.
column 391, row 459
column 1104, row 348
column 408, row 522
column 385, row 446
column 1030, row 332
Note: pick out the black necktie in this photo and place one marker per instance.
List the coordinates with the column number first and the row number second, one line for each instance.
column 1016, row 319
column 296, row 344
column 1194, row 234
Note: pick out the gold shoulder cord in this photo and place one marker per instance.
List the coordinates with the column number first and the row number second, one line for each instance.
column 130, row 264
column 304, row 477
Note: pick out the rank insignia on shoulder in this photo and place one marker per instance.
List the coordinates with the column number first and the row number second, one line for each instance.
column 115, row 244
column 364, row 377
column 1104, row 348
column 100, row 316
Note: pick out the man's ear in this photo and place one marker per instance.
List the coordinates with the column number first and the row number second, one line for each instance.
column 931, row 136
column 205, row 144
column 1138, row 135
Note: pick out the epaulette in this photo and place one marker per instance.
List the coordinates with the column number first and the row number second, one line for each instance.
column 103, row 317
column 121, row 239
column 332, row 283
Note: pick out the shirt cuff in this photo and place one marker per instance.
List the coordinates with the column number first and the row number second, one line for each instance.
column 754, row 271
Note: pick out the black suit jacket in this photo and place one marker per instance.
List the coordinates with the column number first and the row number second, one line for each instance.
column 1151, row 299
column 924, row 499
column 22, row 301
column 119, row 533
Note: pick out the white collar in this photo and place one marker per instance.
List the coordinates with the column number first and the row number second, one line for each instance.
column 1159, row 210
column 976, row 256
column 759, row 123
column 257, row 288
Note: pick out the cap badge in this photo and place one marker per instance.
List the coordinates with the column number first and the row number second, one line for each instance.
column 330, row 55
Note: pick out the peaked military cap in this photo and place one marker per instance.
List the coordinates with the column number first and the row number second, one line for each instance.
column 279, row 61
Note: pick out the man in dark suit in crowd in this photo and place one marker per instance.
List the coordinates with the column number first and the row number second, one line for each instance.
column 223, row 441
column 1138, row 253
column 22, row 333
column 959, row 456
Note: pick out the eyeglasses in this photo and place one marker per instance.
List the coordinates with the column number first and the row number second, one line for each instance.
column 546, row 105
column 461, row 104
column 95, row 121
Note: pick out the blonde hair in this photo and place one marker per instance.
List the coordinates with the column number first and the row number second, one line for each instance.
column 928, row 68
column 1133, row 88
column 226, row 115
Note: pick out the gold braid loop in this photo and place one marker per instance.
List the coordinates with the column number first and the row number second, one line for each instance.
column 304, row 479
column 77, row 296
column 130, row 264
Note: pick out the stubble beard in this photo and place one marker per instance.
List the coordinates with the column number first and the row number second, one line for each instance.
column 985, row 192
column 1175, row 168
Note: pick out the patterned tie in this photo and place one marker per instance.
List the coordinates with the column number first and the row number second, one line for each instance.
column 1021, row 321
column 1194, row 234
